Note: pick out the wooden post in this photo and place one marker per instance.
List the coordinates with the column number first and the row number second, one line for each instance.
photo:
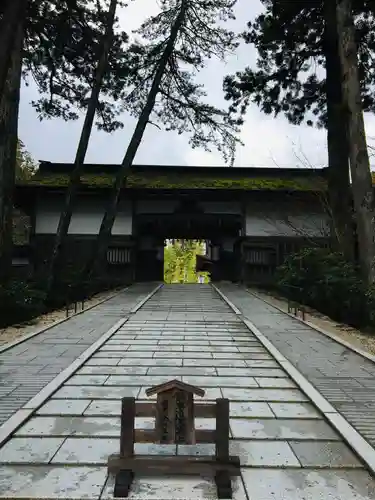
column 189, row 419
column 124, row 478
column 222, row 429
column 222, row 478
column 171, row 426
column 123, row 482
column 159, row 420
column 175, row 412
column 127, row 427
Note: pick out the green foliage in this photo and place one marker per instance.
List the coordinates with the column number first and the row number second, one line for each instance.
column 180, row 261
column 185, row 181
column 289, row 78
column 20, row 301
column 70, row 285
column 25, row 169
column 180, row 103
column 63, row 42
column 328, row 283
column 25, row 165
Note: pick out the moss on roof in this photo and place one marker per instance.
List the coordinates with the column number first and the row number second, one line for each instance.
column 185, row 181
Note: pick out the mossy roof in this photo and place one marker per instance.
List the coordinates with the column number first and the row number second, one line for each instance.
column 183, row 180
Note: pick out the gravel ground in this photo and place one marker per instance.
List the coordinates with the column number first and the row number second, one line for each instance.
column 14, row 332
column 359, row 339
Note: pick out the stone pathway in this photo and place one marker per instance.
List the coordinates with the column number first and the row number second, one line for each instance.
column 26, row 368
column 288, row 451
column 344, row 378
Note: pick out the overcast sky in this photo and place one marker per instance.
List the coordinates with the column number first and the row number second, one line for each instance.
column 268, row 141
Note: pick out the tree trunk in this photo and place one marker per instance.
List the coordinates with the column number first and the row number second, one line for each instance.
column 101, row 244
column 359, row 160
column 340, row 197
column 9, row 107
column 75, row 176
column 14, row 13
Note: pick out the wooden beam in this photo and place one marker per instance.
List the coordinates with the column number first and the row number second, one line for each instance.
column 201, row 410
column 151, row 436
column 181, row 465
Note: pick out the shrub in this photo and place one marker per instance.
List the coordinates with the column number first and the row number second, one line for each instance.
column 328, row 283
column 20, row 301
column 23, row 300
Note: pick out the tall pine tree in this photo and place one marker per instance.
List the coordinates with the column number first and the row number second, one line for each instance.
column 58, row 43
column 74, row 181
column 179, row 40
column 299, row 74
column 363, row 192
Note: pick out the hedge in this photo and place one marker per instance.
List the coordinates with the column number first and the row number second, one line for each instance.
column 325, row 281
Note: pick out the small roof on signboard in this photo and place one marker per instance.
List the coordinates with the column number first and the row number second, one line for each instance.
column 174, row 384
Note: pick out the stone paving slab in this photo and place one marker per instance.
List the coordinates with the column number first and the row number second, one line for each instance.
column 342, row 376
column 26, row 368
column 287, row 449
column 317, row 484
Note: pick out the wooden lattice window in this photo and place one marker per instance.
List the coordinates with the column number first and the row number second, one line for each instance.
column 118, row 256
column 259, row 256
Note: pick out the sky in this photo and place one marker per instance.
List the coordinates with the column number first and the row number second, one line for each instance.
column 268, row 141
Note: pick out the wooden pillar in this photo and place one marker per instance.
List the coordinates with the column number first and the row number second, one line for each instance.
column 127, row 427
column 189, row 419
column 222, row 478
column 161, row 415
column 222, row 429
column 171, row 422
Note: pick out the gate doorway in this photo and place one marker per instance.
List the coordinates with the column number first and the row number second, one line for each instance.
column 180, row 261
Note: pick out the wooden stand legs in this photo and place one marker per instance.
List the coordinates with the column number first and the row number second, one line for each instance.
column 123, row 482
column 222, row 478
column 124, row 478
column 223, row 483
column 221, row 467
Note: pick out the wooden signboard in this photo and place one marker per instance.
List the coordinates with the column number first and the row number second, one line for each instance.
column 174, row 413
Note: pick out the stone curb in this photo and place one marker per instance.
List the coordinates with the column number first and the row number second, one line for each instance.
column 358, row 444
column 332, row 336
column 148, row 297
column 21, row 416
column 28, row 336
column 229, row 303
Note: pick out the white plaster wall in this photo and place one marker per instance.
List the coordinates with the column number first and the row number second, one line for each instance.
column 85, row 220
column 285, row 221
column 20, row 261
column 124, row 220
